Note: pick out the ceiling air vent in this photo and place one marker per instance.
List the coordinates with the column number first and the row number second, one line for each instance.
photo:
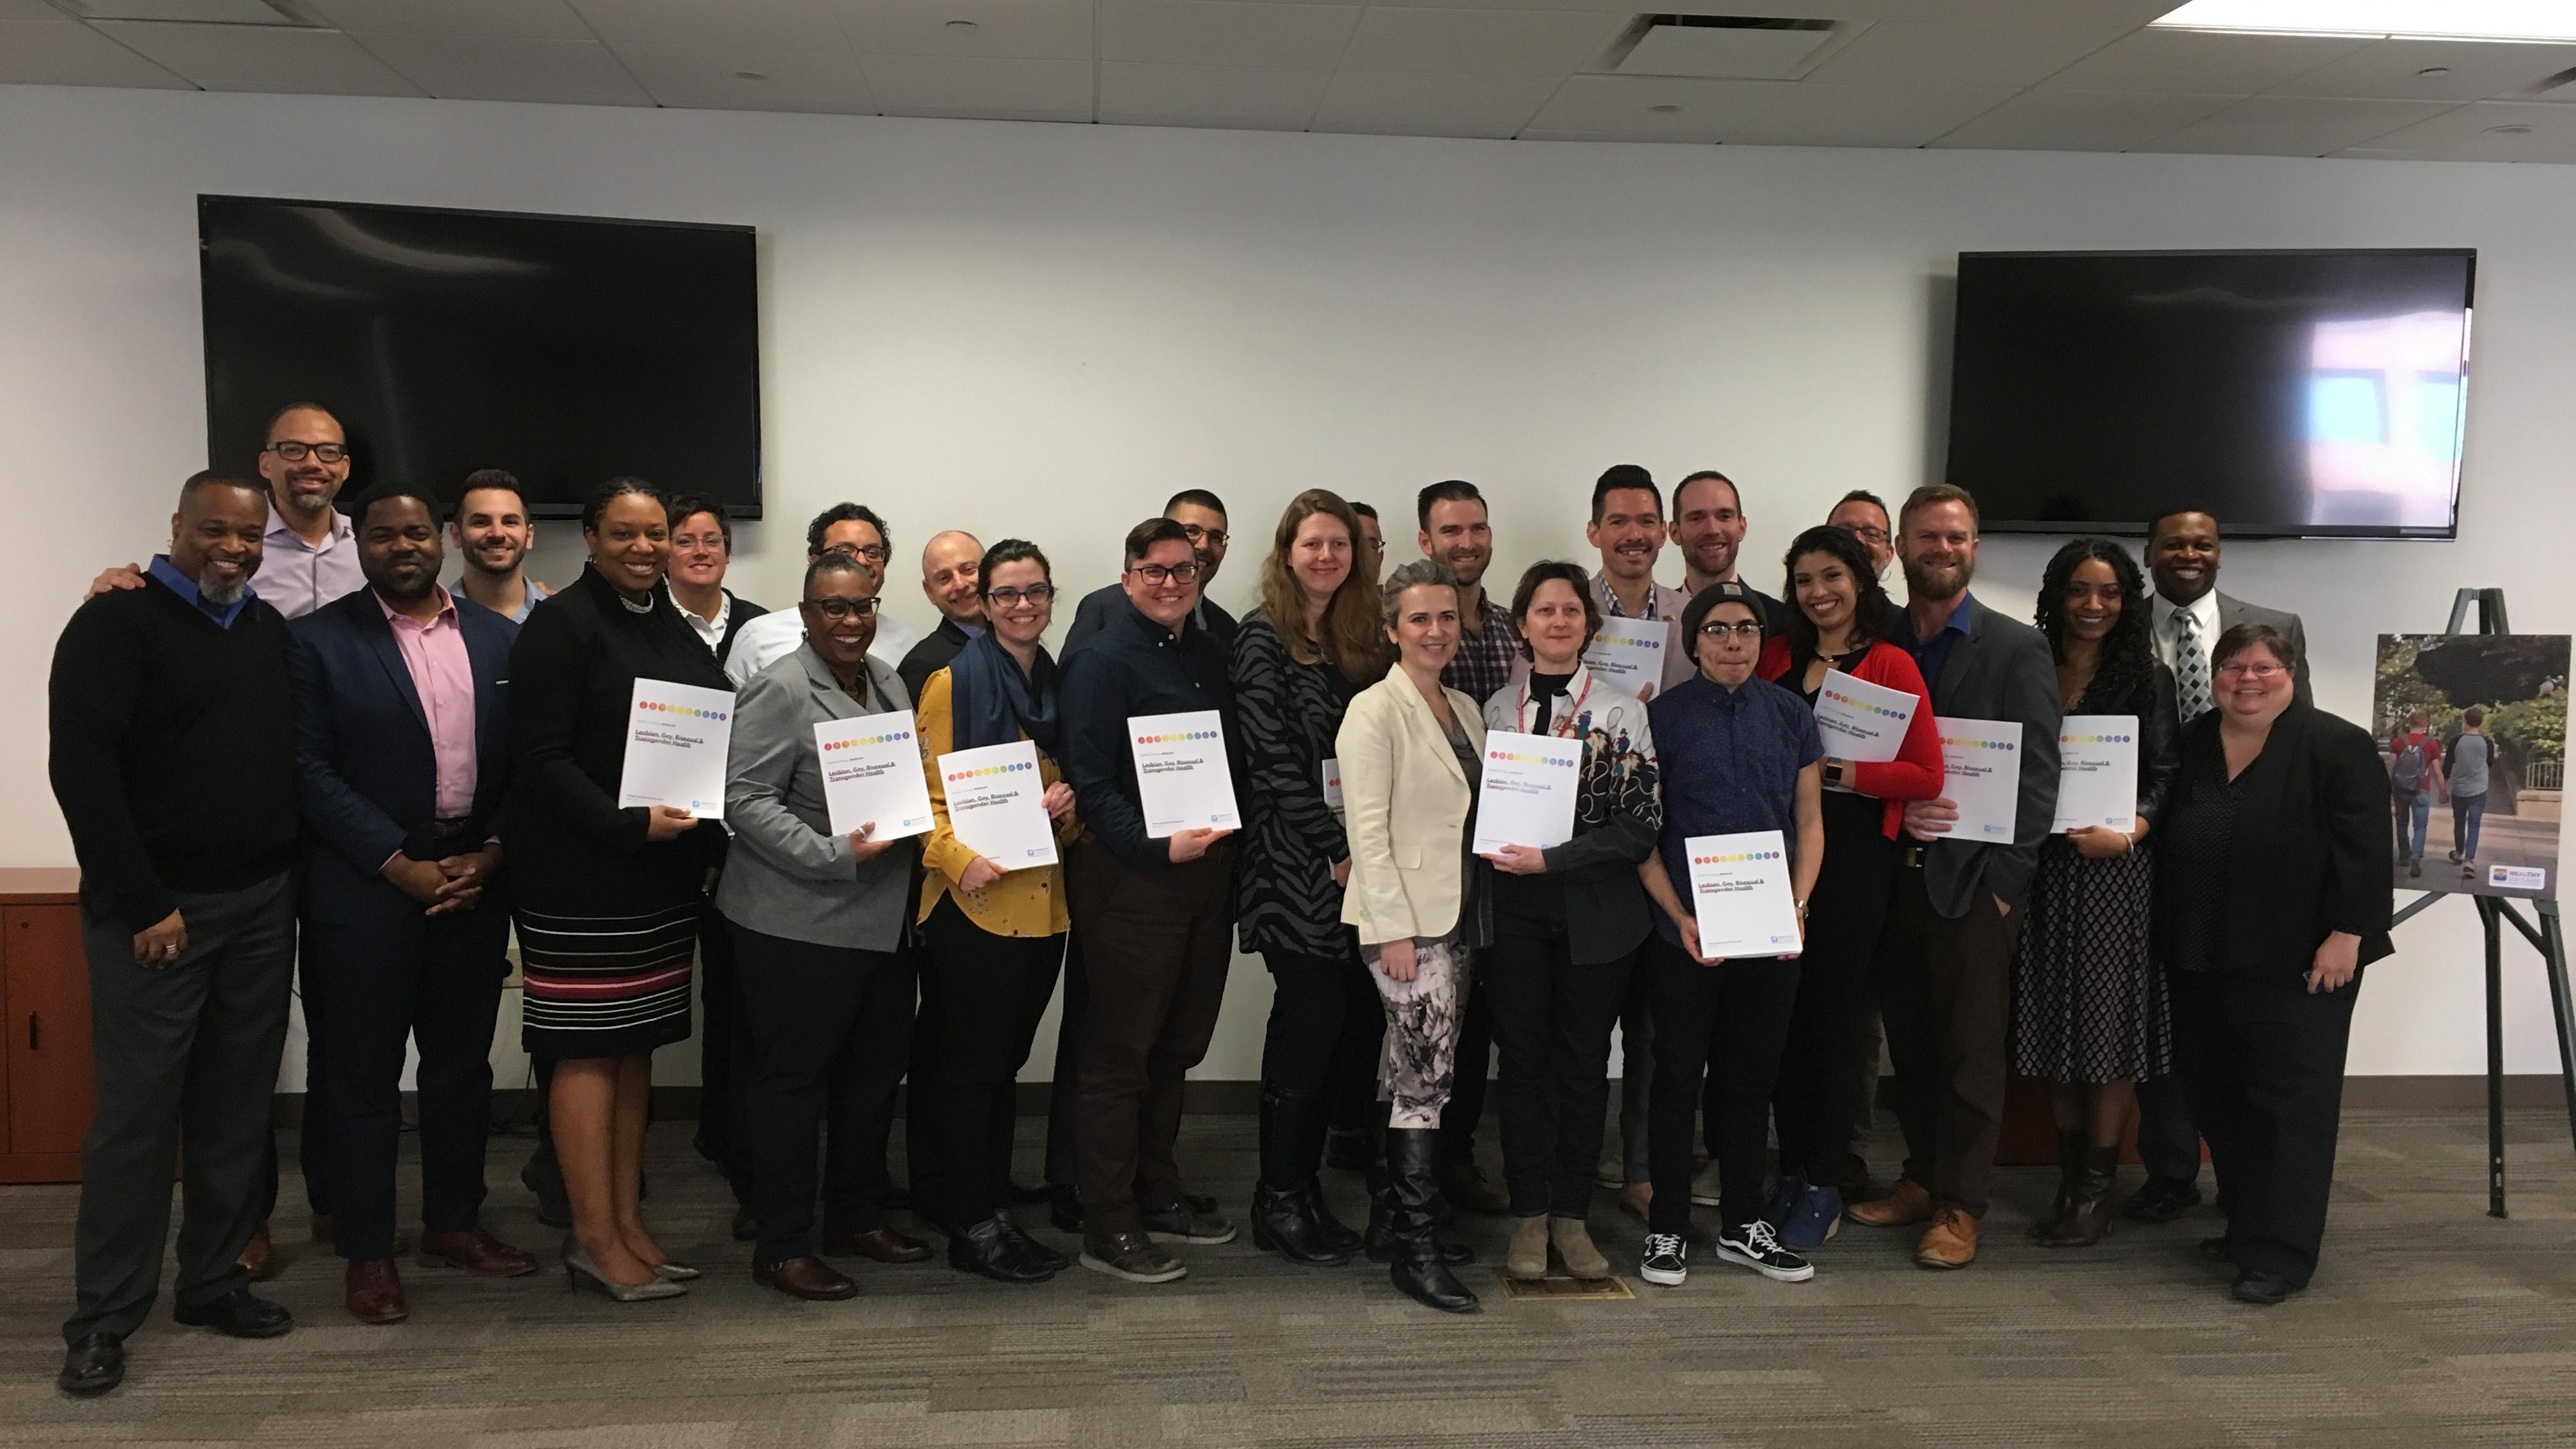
column 195, row 12
column 1728, row 47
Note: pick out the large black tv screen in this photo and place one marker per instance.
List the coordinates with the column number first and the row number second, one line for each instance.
column 566, row 350
column 2292, row 394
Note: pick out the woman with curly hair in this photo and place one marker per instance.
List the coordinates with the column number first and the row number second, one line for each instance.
column 2089, row 1008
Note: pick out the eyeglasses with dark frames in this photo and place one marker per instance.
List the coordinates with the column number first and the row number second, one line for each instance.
column 839, row 609
column 296, row 451
column 1013, row 598
column 1187, row 573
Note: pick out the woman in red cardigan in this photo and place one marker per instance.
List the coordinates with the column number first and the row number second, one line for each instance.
column 1839, row 620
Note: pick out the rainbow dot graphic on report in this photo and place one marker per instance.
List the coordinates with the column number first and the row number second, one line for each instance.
column 2094, row 739
column 981, row 771
column 1175, row 739
column 1964, row 744
column 1864, row 706
column 1509, row 756
column 686, row 710
column 1736, row 858
column 896, row 737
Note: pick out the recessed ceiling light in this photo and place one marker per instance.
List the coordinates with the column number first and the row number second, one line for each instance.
column 961, row 27
column 1665, row 109
column 2425, row 19
column 2514, row 130
column 751, row 75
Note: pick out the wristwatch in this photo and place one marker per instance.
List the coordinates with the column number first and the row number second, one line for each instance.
column 1834, row 772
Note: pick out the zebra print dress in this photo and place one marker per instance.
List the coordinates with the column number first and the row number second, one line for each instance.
column 1287, row 714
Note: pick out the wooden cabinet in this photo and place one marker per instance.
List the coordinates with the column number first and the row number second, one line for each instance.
column 46, row 1090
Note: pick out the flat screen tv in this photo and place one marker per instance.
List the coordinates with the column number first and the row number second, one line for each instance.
column 567, row 350
column 2293, row 394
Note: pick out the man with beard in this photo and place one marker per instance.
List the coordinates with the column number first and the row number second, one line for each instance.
column 1863, row 515
column 952, row 579
column 2190, row 614
column 1201, row 515
column 401, row 734
column 493, row 534
column 1457, row 532
column 1708, row 527
column 847, row 528
column 1944, row 971
column 177, row 781
column 1628, row 527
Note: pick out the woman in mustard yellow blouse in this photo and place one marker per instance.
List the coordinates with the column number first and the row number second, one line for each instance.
column 995, row 936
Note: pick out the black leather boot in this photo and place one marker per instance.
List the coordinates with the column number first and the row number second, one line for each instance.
column 2092, row 1204
column 1283, row 1212
column 1380, row 1241
column 1306, row 1130
column 2070, row 1166
column 1420, row 1270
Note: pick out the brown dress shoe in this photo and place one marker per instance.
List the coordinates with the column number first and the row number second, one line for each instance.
column 883, row 1245
column 1909, row 1203
column 1951, row 1241
column 807, row 1278
column 475, row 1251
column 374, row 1291
column 259, row 1256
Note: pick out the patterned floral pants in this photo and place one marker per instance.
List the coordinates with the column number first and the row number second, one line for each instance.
column 1423, row 1016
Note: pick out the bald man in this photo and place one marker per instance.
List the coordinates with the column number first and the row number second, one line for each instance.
column 952, row 578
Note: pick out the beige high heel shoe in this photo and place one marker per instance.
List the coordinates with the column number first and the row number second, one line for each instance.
column 580, row 1272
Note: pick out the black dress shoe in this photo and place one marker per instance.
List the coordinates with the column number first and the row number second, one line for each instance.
column 238, row 1314
column 543, row 1178
column 1065, row 1207
column 93, row 1364
column 2161, row 1200
column 880, row 1245
column 2217, row 1250
column 2255, row 1285
column 986, row 1250
column 1030, row 1248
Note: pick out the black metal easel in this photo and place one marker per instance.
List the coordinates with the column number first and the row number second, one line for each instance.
column 2547, row 938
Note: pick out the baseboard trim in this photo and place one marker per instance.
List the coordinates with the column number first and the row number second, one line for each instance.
column 2537, row 1089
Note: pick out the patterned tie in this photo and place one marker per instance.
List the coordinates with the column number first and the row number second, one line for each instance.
column 2191, row 666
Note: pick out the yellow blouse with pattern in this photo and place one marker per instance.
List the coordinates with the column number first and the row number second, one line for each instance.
column 1026, row 902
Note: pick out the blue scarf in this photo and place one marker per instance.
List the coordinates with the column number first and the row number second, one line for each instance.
column 993, row 703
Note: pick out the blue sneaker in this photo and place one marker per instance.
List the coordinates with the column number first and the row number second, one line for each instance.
column 1819, row 1214
column 1784, row 1200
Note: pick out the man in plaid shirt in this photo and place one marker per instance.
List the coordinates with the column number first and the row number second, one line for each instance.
column 1455, row 531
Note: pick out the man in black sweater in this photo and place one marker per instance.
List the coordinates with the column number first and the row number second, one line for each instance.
column 176, row 775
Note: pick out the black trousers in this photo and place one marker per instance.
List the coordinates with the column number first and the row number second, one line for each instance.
column 1552, row 1020
column 1064, row 1090
column 969, row 1106
column 2264, row 1059
column 2168, row 1142
column 431, row 979
column 1474, row 1073
column 1313, row 1000
column 1832, row 1053
column 921, row 1106
column 724, row 1051
column 1945, row 994
column 186, row 1061
column 829, row 1029
column 313, row 1155
column 1730, row 1022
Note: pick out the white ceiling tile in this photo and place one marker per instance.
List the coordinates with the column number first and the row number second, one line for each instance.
column 261, row 58
column 492, row 68
column 1808, row 113
column 1649, row 108
column 2467, row 134
column 1915, row 53
column 526, row 19
column 44, row 47
column 2200, row 62
column 761, row 24
column 1248, row 33
column 1031, row 29
column 2046, row 120
column 1417, row 104
column 1210, row 95
column 2041, row 12
column 1525, row 42
column 2295, row 126
column 741, row 79
column 2471, row 70
column 1011, row 89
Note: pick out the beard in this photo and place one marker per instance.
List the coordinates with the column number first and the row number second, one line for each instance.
column 474, row 561
column 1947, row 582
column 222, row 596
column 392, row 587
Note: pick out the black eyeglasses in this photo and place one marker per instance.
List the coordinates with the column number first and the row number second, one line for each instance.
column 1865, row 535
column 1204, row 535
column 838, row 609
column 1187, row 573
column 296, row 452
column 1013, row 598
column 869, row 553
column 1719, row 629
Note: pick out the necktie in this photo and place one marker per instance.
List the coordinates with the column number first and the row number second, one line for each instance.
column 2191, row 670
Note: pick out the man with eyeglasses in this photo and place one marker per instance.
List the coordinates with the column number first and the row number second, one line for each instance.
column 1863, row 515
column 853, row 529
column 1201, row 515
column 1156, row 912
column 1372, row 536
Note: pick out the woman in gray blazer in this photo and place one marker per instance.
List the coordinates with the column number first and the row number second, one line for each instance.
column 818, row 924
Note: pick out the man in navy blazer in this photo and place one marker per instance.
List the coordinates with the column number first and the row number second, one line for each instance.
column 401, row 743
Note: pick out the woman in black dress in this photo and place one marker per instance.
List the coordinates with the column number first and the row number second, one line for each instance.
column 607, row 898
column 2089, row 1009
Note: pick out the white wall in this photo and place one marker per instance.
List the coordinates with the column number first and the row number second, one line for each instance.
column 1045, row 329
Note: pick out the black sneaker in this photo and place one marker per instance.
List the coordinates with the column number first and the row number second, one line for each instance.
column 1663, row 1260
column 1131, row 1256
column 1184, row 1222
column 1753, row 1245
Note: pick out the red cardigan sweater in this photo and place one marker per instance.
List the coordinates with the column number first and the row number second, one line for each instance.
column 1916, row 772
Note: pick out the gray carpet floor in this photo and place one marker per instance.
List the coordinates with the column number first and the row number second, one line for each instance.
column 2430, row 1324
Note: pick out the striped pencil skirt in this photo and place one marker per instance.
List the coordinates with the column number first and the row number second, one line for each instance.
column 606, row 986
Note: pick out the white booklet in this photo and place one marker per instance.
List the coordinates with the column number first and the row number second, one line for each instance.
column 1333, row 784
column 1182, row 778
column 872, row 772
column 1862, row 722
column 1981, row 774
column 1528, row 794
column 1740, row 895
column 1630, row 653
column 676, row 738
column 2097, row 772
column 997, row 804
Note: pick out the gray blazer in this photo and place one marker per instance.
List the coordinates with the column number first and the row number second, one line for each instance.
column 788, row 874
column 2232, row 612
column 2003, row 670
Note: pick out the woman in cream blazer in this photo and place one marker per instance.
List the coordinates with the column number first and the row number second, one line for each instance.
column 1411, row 756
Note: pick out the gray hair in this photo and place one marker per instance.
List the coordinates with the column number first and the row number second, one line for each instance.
column 831, row 563
column 1413, row 575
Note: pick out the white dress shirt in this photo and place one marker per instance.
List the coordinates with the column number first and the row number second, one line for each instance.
column 2204, row 619
column 774, row 635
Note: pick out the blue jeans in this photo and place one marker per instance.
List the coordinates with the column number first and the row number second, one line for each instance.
column 2414, row 817
column 2466, row 812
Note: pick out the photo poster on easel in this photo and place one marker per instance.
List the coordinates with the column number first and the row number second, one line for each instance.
column 2487, row 712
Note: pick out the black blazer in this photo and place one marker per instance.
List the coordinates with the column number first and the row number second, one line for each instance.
column 2314, row 848
column 2152, row 700
column 362, row 749
column 2003, row 670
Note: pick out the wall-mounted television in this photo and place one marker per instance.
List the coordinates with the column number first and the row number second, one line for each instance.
column 567, row 350
column 2295, row 394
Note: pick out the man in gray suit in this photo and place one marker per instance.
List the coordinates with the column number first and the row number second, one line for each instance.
column 2190, row 615
column 1944, row 967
